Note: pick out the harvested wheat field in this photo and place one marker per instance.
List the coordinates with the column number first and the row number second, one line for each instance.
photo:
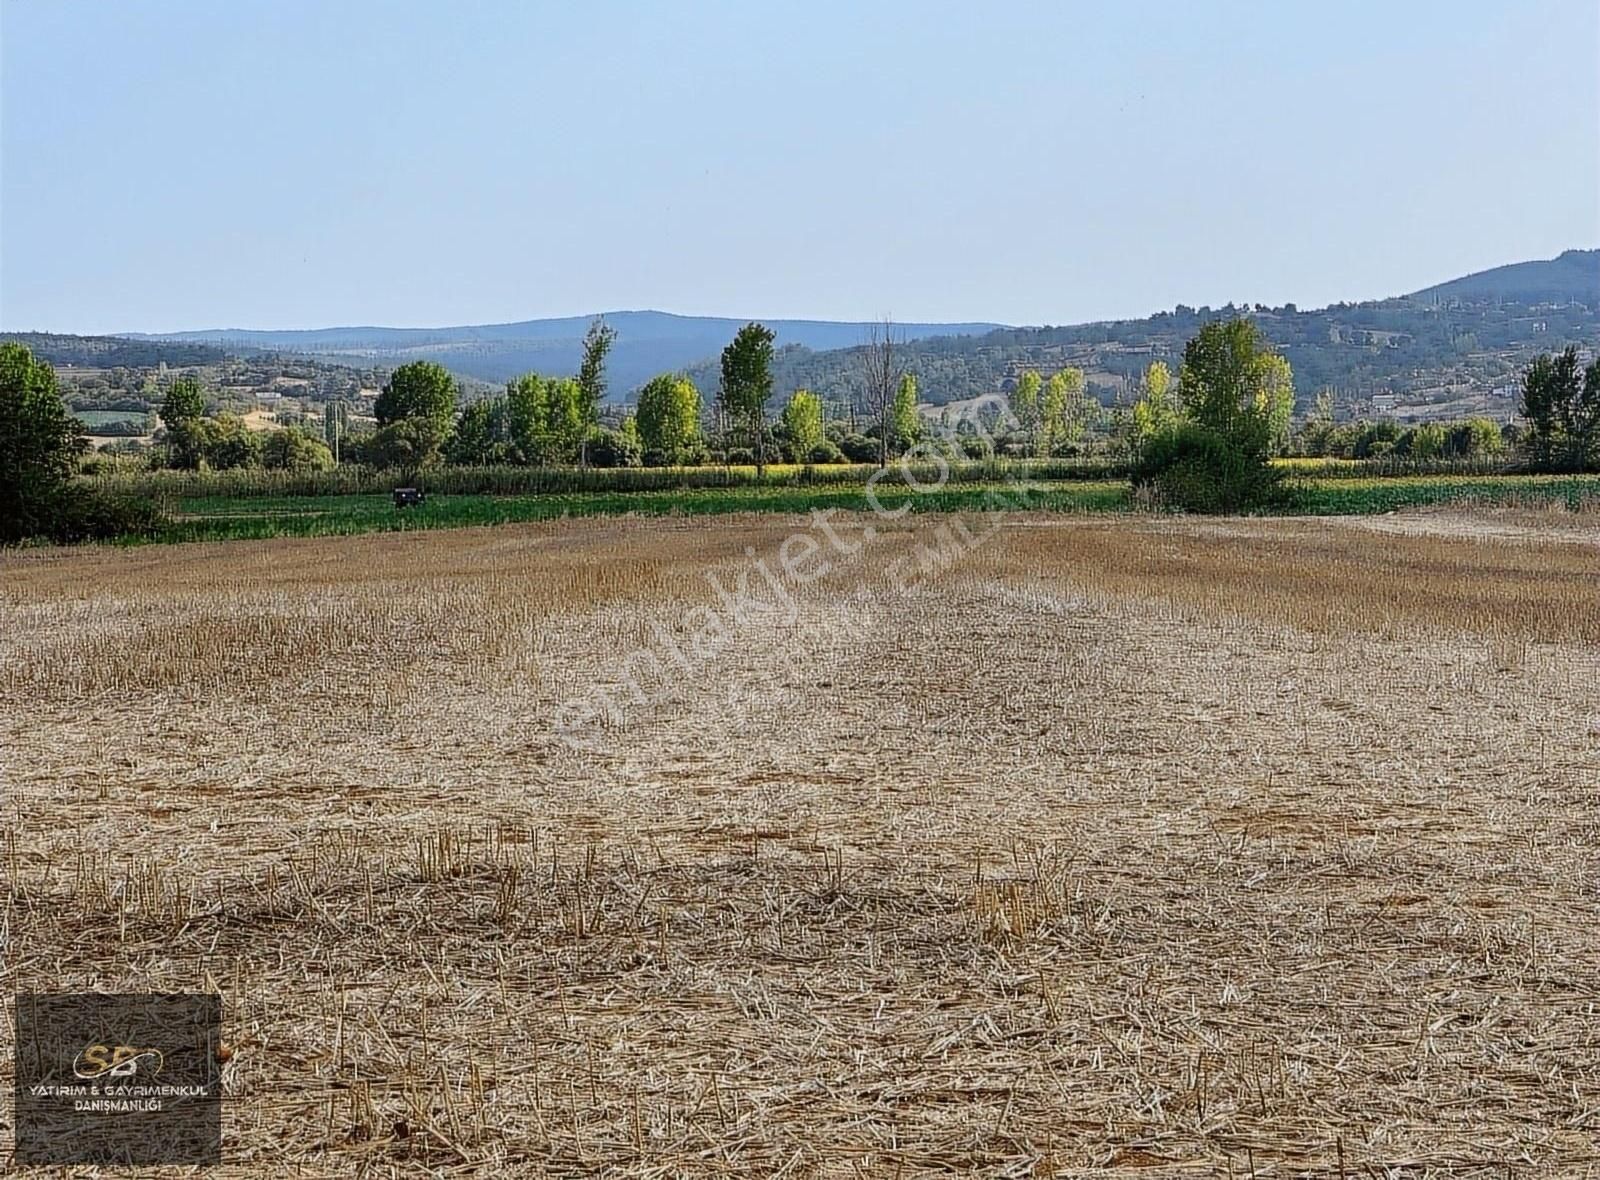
column 1029, row 846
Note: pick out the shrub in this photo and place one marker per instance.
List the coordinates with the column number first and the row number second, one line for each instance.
column 407, row 444
column 226, row 442
column 80, row 512
column 88, row 514
column 1196, row 469
column 613, row 448
column 1015, row 445
column 692, row 456
column 294, row 450
column 858, row 448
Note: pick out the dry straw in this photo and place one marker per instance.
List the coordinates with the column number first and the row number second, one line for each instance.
column 1255, row 848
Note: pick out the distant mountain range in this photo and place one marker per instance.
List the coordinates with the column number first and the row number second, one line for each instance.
column 1455, row 347
column 964, row 357
column 648, row 342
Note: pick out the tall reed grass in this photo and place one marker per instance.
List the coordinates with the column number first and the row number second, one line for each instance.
column 353, row 480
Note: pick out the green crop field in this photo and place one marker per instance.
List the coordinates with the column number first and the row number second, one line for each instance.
column 223, row 518
column 1337, row 496
column 216, row 517
column 93, row 418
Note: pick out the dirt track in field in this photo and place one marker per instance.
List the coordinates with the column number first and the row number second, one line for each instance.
column 1073, row 845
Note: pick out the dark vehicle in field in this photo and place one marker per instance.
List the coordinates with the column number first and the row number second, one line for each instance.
column 409, row 497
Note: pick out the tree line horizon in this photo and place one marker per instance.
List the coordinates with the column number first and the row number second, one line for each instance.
column 1202, row 439
column 540, row 420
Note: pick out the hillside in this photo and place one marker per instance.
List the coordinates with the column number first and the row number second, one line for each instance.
column 115, row 385
column 1573, row 276
column 110, row 352
column 1452, row 349
column 1425, row 355
column 648, row 342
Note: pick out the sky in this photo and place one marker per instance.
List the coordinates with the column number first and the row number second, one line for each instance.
column 180, row 165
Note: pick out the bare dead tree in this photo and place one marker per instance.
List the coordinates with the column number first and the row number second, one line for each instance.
column 883, row 364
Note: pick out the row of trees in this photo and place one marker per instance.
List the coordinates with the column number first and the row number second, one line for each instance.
column 1230, row 387
column 1560, row 408
column 1053, row 414
column 1561, row 402
column 223, row 442
column 541, row 420
column 1471, row 438
column 1205, row 441
column 1202, row 440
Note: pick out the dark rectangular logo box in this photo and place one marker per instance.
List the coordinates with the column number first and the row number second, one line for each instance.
column 118, row 1079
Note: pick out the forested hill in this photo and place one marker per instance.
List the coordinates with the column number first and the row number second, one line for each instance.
column 648, row 342
column 113, row 352
column 1450, row 343
column 108, row 373
column 1430, row 347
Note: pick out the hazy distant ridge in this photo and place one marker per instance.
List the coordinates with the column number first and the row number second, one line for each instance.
column 648, row 342
column 1453, row 326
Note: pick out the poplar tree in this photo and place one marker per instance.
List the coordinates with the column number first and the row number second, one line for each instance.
column 747, row 386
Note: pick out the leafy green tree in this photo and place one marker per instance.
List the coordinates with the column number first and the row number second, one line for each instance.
column 1372, row 440
column 1233, row 385
column 669, row 418
column 528, row 418
column 1233, row 391
column 39, row 445
column 227, row 443
column 295, row 450
column 802, row 424
column 183, row 414
column 1276, row 400
column 419, row 389
column 184, row 403
column 473, row 442
column 408, row 444
column 747, row 386
column 1025, row 407
column 1156, row 411
column 1478, row 437
column 597, row 344
column 564, row 427
column 905, row 424
column 1428, row 441
column 1064, row 410
column 543, row 419
column 1562, row 405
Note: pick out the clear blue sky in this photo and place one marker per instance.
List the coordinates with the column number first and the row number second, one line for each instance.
column 302, row 163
